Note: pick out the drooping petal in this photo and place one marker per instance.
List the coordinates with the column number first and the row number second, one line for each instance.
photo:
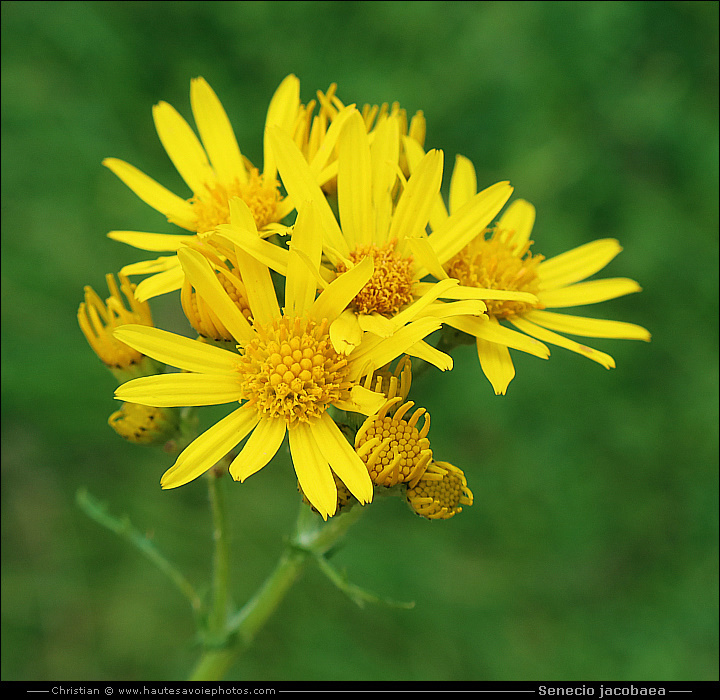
column 176, row 209
column 343, row 459
column 200, row 274
column 181, row 389
column 496, row 363
column 148, row 267
column 353, row 182
column 260, row 448
column 210, row 447
column 591, row 292
column 469, row 221
column 216, row 133
column 183, row 147
column 588, row 327
column 428, row 353
column 150, row 241
column 577, row 264
column 312, row 470
column 563, row 342
column 176, row 350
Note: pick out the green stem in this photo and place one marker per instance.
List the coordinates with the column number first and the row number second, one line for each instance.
column 218, row 614
column 312, row 537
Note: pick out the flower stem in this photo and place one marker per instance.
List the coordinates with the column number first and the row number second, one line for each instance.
column 311, row 538
column 218, row 614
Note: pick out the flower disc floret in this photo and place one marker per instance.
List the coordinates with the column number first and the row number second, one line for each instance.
column 391, row 285
column 394, row 449
column 440, row 493
column 492, row 263
column 213, row 209
column 292, row 371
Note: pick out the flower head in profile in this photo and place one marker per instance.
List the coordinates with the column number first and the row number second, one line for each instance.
column 214, row 170
column 440, row 493
column 286, row 373
column 500, row 258
column 98, row 319
column 375, row 221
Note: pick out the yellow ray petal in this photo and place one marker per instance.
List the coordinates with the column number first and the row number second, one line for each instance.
column 462, row 292
column 426, row 260
column 384, row 156
column 415, row 309
column 496, row 363
column 327, row 147
column 375, row 352
column 305, row 247
column 345, row 332
column 588, row 327
column 342, row 290
column 150, row 241
column 216, row 133
column 201, row 276
column 463, row 183
column 413, row 209
column 183, row 147
column 180, row 389
column 301, row 186
column 414, row 153
column 577, row 264
column 281, row 114
column 210, row 447
column 591, row 292
column 176, row 350
column 177, row 210
column 559, row 340
column 428, row 353
column 312, row 470
column 362, row 400
column 260, row 448
column 164, row 282
column 518, row 222
column 469, row 221
column 275, row 257
column 489, row 329
column 147, row 267
column 377, row 324
column 353, row 182
column 343, row 459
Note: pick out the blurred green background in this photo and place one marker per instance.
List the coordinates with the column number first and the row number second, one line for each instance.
column 591, row 550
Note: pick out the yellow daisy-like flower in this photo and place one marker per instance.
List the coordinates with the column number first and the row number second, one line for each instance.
column 390, row 230
column 214, row 170
column 99, row 319
column 286, row 374
column 503, row 260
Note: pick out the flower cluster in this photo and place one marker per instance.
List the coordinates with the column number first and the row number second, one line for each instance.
column 306, row 280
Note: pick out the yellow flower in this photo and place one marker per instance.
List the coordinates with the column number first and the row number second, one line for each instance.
column 99, row 319
column 214, row 170
column 502, row 260
column 440, row 492
column 286, row 374
column 390, row 230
